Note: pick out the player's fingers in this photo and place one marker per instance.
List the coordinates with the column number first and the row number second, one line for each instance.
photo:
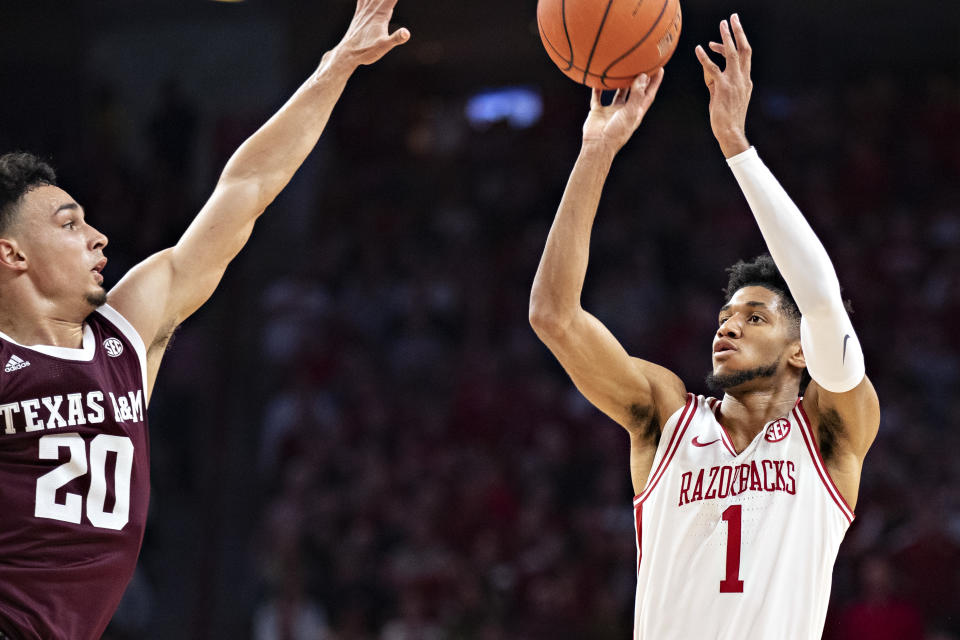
column 716, row 47
column 651, row 88
column 710, row 70
column 743, row 45
column 595, row 99
column 730, row 47
column 640, row 83
column 634, row 92
column 400, row 36
column 637, row 88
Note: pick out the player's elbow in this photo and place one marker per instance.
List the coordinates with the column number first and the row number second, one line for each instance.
column 548, row 322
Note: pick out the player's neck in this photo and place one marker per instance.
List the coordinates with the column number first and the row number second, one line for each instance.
column 41, row 324
column 745, row 413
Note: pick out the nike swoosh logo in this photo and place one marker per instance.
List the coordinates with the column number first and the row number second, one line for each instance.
column 844, row 358
column 697, row 443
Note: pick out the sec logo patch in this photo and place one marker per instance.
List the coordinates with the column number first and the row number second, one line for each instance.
column 778, row 430
column 113, row 347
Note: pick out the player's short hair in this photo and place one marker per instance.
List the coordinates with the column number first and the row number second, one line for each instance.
column 762, row 272
column 20, row 173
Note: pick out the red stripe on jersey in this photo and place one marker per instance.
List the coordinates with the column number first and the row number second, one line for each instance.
column 814, row 449
column 690, row 410
column 673, row 438
column 727, row 442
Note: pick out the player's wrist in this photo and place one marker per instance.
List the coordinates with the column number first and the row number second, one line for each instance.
column 598, row 149
column 339, row 61
column 732, row 142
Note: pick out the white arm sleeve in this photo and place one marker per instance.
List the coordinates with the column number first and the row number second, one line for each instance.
column 830, row 345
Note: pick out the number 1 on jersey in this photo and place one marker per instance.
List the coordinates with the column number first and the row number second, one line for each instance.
column 732, row 583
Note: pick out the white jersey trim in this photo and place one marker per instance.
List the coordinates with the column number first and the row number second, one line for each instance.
column 123, row 326
column 686, row 416
column 814, row 450
column 84, row 354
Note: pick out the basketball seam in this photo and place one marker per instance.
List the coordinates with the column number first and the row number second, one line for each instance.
column 566, row 30
column 663, row 10
column 546, row 39
column 603, row 78
column 596, row 40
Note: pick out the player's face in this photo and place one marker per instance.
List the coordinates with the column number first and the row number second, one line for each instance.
column 753, row 341
column 64, row 254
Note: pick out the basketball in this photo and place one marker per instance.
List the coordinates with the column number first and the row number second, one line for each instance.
column 605, row 44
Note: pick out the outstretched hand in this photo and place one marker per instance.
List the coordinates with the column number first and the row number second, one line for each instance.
column 729, row 88
column 367, row 38
column 611, row 126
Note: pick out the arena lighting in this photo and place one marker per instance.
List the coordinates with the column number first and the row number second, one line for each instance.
column 520, row 107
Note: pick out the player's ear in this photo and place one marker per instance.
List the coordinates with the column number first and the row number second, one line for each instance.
column 795, row 355
column 11, row 257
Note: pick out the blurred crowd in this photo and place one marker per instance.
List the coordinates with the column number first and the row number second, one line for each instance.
column 396, row 457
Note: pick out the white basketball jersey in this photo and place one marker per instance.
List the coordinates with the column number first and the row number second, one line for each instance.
column 736, row 546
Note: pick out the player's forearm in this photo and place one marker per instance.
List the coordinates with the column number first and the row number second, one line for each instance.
column 832, row 351
column 799, row 254
column 271, row 156
column 563, row 267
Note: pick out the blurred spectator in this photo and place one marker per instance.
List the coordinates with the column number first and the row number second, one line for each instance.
column 173, row 129
column 878, row 612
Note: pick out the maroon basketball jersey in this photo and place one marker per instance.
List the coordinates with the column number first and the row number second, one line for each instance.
column 74, row 479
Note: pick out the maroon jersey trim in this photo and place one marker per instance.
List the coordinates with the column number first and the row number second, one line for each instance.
column 89, row 349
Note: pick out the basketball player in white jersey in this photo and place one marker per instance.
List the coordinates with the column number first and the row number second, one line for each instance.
column 742, row 502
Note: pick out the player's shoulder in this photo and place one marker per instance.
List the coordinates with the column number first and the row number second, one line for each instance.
column 118, row 323
column 667, row 390
column 694, row 408
column 135, row 297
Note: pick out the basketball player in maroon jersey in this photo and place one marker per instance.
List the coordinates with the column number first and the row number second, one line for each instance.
column 726, row 512
column 79, row 363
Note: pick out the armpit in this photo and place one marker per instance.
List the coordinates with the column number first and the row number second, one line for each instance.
column 644, row 418
column 830, row 429
column 164, row 339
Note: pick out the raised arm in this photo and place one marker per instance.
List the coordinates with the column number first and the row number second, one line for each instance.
column 637, row 394
column 841, row 401
column 158, row 294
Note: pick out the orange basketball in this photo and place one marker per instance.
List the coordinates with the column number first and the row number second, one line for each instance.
column 605, row 44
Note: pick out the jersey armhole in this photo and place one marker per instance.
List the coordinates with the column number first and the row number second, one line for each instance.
column 661, row 462
column 130, row 333
column 813, row 448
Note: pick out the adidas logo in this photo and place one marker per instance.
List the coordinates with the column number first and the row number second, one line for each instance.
column 15, row 363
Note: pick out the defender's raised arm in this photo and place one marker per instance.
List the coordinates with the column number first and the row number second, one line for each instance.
column 165, row 289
